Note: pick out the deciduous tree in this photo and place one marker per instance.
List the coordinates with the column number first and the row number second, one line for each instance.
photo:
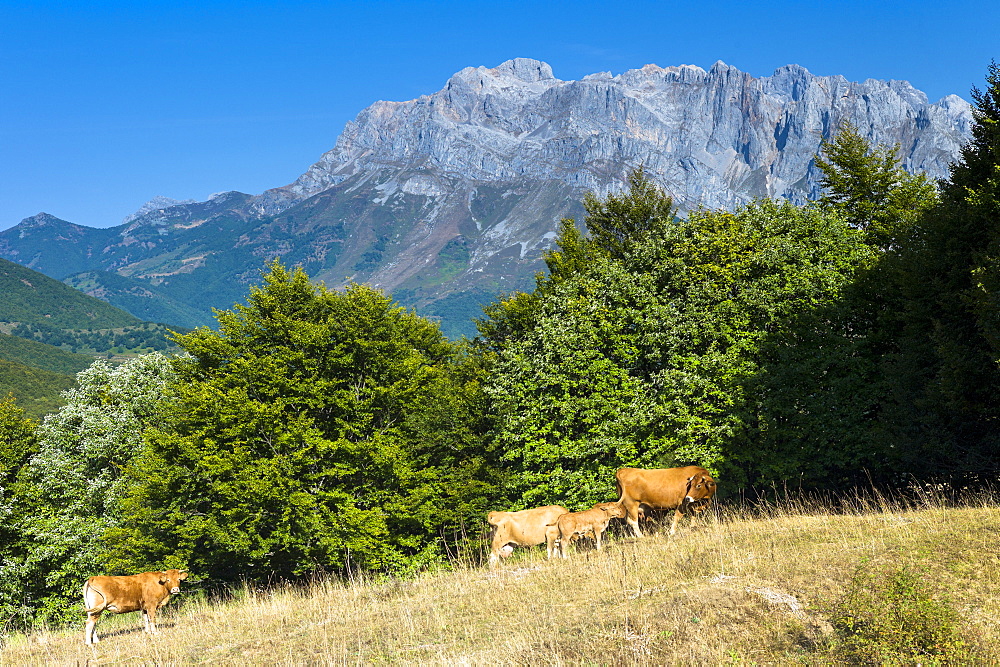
column 315, row 430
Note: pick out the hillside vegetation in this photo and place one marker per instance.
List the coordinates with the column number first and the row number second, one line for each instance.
column 796, row 584
column 49, row 332
column 42, row 356
column 34, row 298
column 37, row 391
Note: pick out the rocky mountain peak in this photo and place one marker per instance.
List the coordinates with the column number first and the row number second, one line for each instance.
column 525, row 69
column 717, row 138
column 42, row 219
column 157, row 203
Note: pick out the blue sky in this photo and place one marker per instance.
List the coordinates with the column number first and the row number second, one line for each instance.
column 104, row 105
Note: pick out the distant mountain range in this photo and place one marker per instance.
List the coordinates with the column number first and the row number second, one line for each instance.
column 449, row 199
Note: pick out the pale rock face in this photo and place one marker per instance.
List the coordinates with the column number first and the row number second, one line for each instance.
column 157, row 203
column 718, row 138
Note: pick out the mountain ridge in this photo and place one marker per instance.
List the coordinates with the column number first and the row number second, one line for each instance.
column 455, row 194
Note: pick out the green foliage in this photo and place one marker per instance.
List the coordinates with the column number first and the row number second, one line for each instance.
column 69, row 491
column 617, row 222
column 17, row 442
column 17, row 445
column 38, row 391
column 982, row 155
column 888, row 616
column 869, row 188
column 315, row 430
column 943, row 365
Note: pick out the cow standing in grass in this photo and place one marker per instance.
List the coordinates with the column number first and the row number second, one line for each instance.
column 144, row 592
column 525, row 528
column 687, row 490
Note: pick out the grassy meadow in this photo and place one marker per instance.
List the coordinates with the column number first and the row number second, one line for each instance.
column 875, row 582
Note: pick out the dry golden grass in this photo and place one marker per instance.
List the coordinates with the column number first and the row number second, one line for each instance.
column 751, row 587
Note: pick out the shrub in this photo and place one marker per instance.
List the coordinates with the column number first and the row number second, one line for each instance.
column 889, row 616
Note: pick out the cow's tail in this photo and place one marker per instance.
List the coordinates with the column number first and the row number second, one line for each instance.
column 86, row 589
column 618, row 488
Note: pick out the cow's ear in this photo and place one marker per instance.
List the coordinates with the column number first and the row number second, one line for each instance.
column 162, row 577
column 182, row 576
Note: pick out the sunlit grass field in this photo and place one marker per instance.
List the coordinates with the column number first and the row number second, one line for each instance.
column 873, row 582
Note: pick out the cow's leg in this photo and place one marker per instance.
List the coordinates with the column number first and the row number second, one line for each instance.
column 551, row 540
column 632, row 518
column 151, row 620
column 697, row 510
column 597, row 539
column 677, row 517
column 90, row 629
column 500, row 540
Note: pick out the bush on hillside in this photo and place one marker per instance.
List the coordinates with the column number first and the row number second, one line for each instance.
column 889, row 616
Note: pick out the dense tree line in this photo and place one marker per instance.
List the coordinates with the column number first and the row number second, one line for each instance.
column 850, row 340
column 143, row 338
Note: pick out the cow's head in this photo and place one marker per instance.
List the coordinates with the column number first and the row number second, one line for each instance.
column 700, row 489
column 614, row 510
column 172, row 579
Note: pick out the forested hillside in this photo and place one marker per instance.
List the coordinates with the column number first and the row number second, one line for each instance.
column 50, row 331
column 850, row 341
column 35, row 299
column 36, row 307
column 37, row 390
column 37, row 373
column 40, row 355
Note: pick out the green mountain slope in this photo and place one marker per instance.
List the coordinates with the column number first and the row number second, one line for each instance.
column 36, row 390
column 30, row 297
column 139, row 298
column 44, row 310
column 42, row 356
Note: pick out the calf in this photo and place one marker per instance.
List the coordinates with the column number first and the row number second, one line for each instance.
column 590, row 523
column 144, row 592
column 525, row 528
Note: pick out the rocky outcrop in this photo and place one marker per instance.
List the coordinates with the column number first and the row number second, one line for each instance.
column 717, row 138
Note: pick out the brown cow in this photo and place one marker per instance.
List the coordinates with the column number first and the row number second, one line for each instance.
column 568, row 528
column 144, row 592
column 525, row 528
column 687, row 490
